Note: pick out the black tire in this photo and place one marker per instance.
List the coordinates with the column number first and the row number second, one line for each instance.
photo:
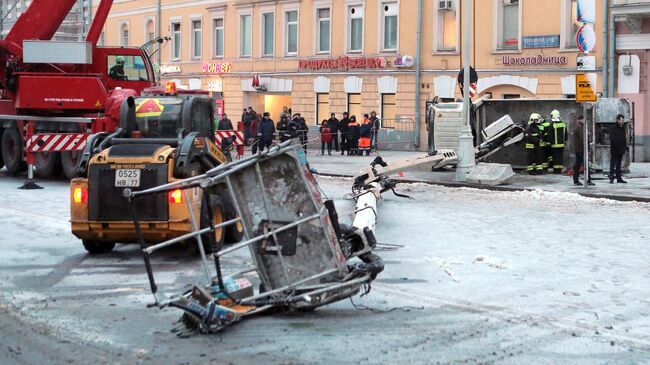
column 48, row 164
column 2, row 161
column 96, row 247
column 69, row 161
column 214, row 241
column 12, row 151
column 234, row 232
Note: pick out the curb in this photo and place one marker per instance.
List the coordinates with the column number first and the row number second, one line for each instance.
column 622, row 198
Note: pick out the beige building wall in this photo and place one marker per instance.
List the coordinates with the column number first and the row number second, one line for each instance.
column 282, row 75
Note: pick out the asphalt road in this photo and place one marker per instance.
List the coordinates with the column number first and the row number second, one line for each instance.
column 480, row 277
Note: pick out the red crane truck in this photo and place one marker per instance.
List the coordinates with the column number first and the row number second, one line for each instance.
column 54, row 94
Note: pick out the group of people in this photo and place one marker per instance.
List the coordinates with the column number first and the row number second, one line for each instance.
column 348, row 135
column 260, row 130
column 546, row 140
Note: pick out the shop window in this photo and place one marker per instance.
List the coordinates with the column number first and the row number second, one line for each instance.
column 389, row 26
column 388, row 110
column 218, row 37
column 323, row 30
column 268, row 36
column 322, row 107
column 124, row 35
column 508, row 24
column 355, row 28
column 245, row 35
column 291, row 18
column 447, row 26
column 149, row 31
column 176, row 41
column 354, row 106
column 196, row 39
column 571, row 24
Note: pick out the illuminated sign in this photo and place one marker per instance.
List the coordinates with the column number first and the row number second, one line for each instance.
column 216, row 67
column 215, row 85
column 170, row 69
column 535, row 60
column 343, row 63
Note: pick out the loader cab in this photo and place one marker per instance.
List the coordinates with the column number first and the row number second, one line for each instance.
column 164, row 116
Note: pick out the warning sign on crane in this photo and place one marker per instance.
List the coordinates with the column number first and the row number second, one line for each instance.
column 149, row 108
column 586, row 87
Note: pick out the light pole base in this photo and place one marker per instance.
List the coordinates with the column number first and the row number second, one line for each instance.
column 466, row 156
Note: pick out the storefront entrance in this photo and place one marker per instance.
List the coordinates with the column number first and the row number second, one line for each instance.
column 268, row 102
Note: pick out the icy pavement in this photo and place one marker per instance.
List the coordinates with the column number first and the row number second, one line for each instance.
column 638, row 187
column 482, row 277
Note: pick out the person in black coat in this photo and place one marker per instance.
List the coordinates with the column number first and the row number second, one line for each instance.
column 266, row 132
column 343, row 128
column 224, row 124
column 618, row 147
column 283, row 126
column 374, row 121
column 353, row 135
column 334, row 125
column 301, row 129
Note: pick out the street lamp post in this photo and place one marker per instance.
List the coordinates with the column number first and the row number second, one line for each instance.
column 465, row 140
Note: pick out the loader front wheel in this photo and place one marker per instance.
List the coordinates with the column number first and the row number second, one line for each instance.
column 212, row 241
column 96, row 247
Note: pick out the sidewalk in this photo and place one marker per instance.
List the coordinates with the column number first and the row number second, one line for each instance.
column 637, row 188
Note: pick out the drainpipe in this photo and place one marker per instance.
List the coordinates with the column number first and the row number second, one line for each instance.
column 606, row 90
column 610, row 63
column 417, row 76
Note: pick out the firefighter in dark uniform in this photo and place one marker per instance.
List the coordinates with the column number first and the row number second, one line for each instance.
column 545, row 143
column 532, row 138
column 559, row 136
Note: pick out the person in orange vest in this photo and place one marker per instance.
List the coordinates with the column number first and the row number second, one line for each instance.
column 365, row 137
column 353, row 136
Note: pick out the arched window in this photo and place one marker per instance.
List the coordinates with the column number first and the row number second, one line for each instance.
column 124, row 35
column 150, row 33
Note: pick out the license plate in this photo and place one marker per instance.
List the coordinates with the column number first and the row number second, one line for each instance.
column 127, row 178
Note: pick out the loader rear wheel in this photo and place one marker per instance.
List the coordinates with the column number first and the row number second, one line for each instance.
column 47, row 164
column 234, row 232
column 214, row 241
column 69, row 160
column 96, row 247
column 12, row 151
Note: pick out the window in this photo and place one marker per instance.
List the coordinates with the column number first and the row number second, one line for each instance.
column 508, row 24
column 268, row 36
column 150, row 33
column 354, row 106
column 323, row 35
column 388, row 110
column 322, row 107
column 355, row 28
column 218, row 37
column 292, row 32
column 245, row 35
column 389, row 27
column 124, row 35
column 196, row 39
column 102, row 39
column 447, row 27
column 176, row 41
column 126, row 68
column 571, row 24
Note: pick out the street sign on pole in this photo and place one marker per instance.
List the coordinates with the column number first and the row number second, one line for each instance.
column 586, row 11
column 586, row 87
column 586, row 38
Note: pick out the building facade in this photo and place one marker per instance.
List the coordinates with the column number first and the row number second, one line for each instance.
column 630, row 61
column 323, row 56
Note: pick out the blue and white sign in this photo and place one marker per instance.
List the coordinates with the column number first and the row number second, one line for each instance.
column 586, row 11
column 541, row 41
column 586, row 38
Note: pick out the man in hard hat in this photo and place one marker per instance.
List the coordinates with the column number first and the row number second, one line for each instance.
column 545, row 143
column 532, row 138
column 558, row 136
column 117, row 71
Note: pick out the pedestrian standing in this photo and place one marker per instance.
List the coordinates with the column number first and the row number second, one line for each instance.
column 325, row 138
column 545, row 143
column 618, row 147
column 365, row 136
column 224, row 124
column 285, row 112
column 282, row 128
column 302, row 130
column 375, row 129
column 578, row 143
column 248, row 117
column 532, row 139
column 343, row 128
column 254, row 130
column 266, row 132
column 353, row 136
column 334, row 126
column 558, row 137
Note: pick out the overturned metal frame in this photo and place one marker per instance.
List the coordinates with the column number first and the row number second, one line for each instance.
column 333, row 282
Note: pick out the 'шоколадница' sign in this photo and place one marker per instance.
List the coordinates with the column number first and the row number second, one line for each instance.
column 535, row 60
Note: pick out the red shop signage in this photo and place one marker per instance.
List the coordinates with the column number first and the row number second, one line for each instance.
column 343, row 63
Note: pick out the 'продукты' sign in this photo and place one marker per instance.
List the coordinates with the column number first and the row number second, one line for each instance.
column 343, row 63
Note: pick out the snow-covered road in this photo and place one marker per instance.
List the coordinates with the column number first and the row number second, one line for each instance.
column 482, row 277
